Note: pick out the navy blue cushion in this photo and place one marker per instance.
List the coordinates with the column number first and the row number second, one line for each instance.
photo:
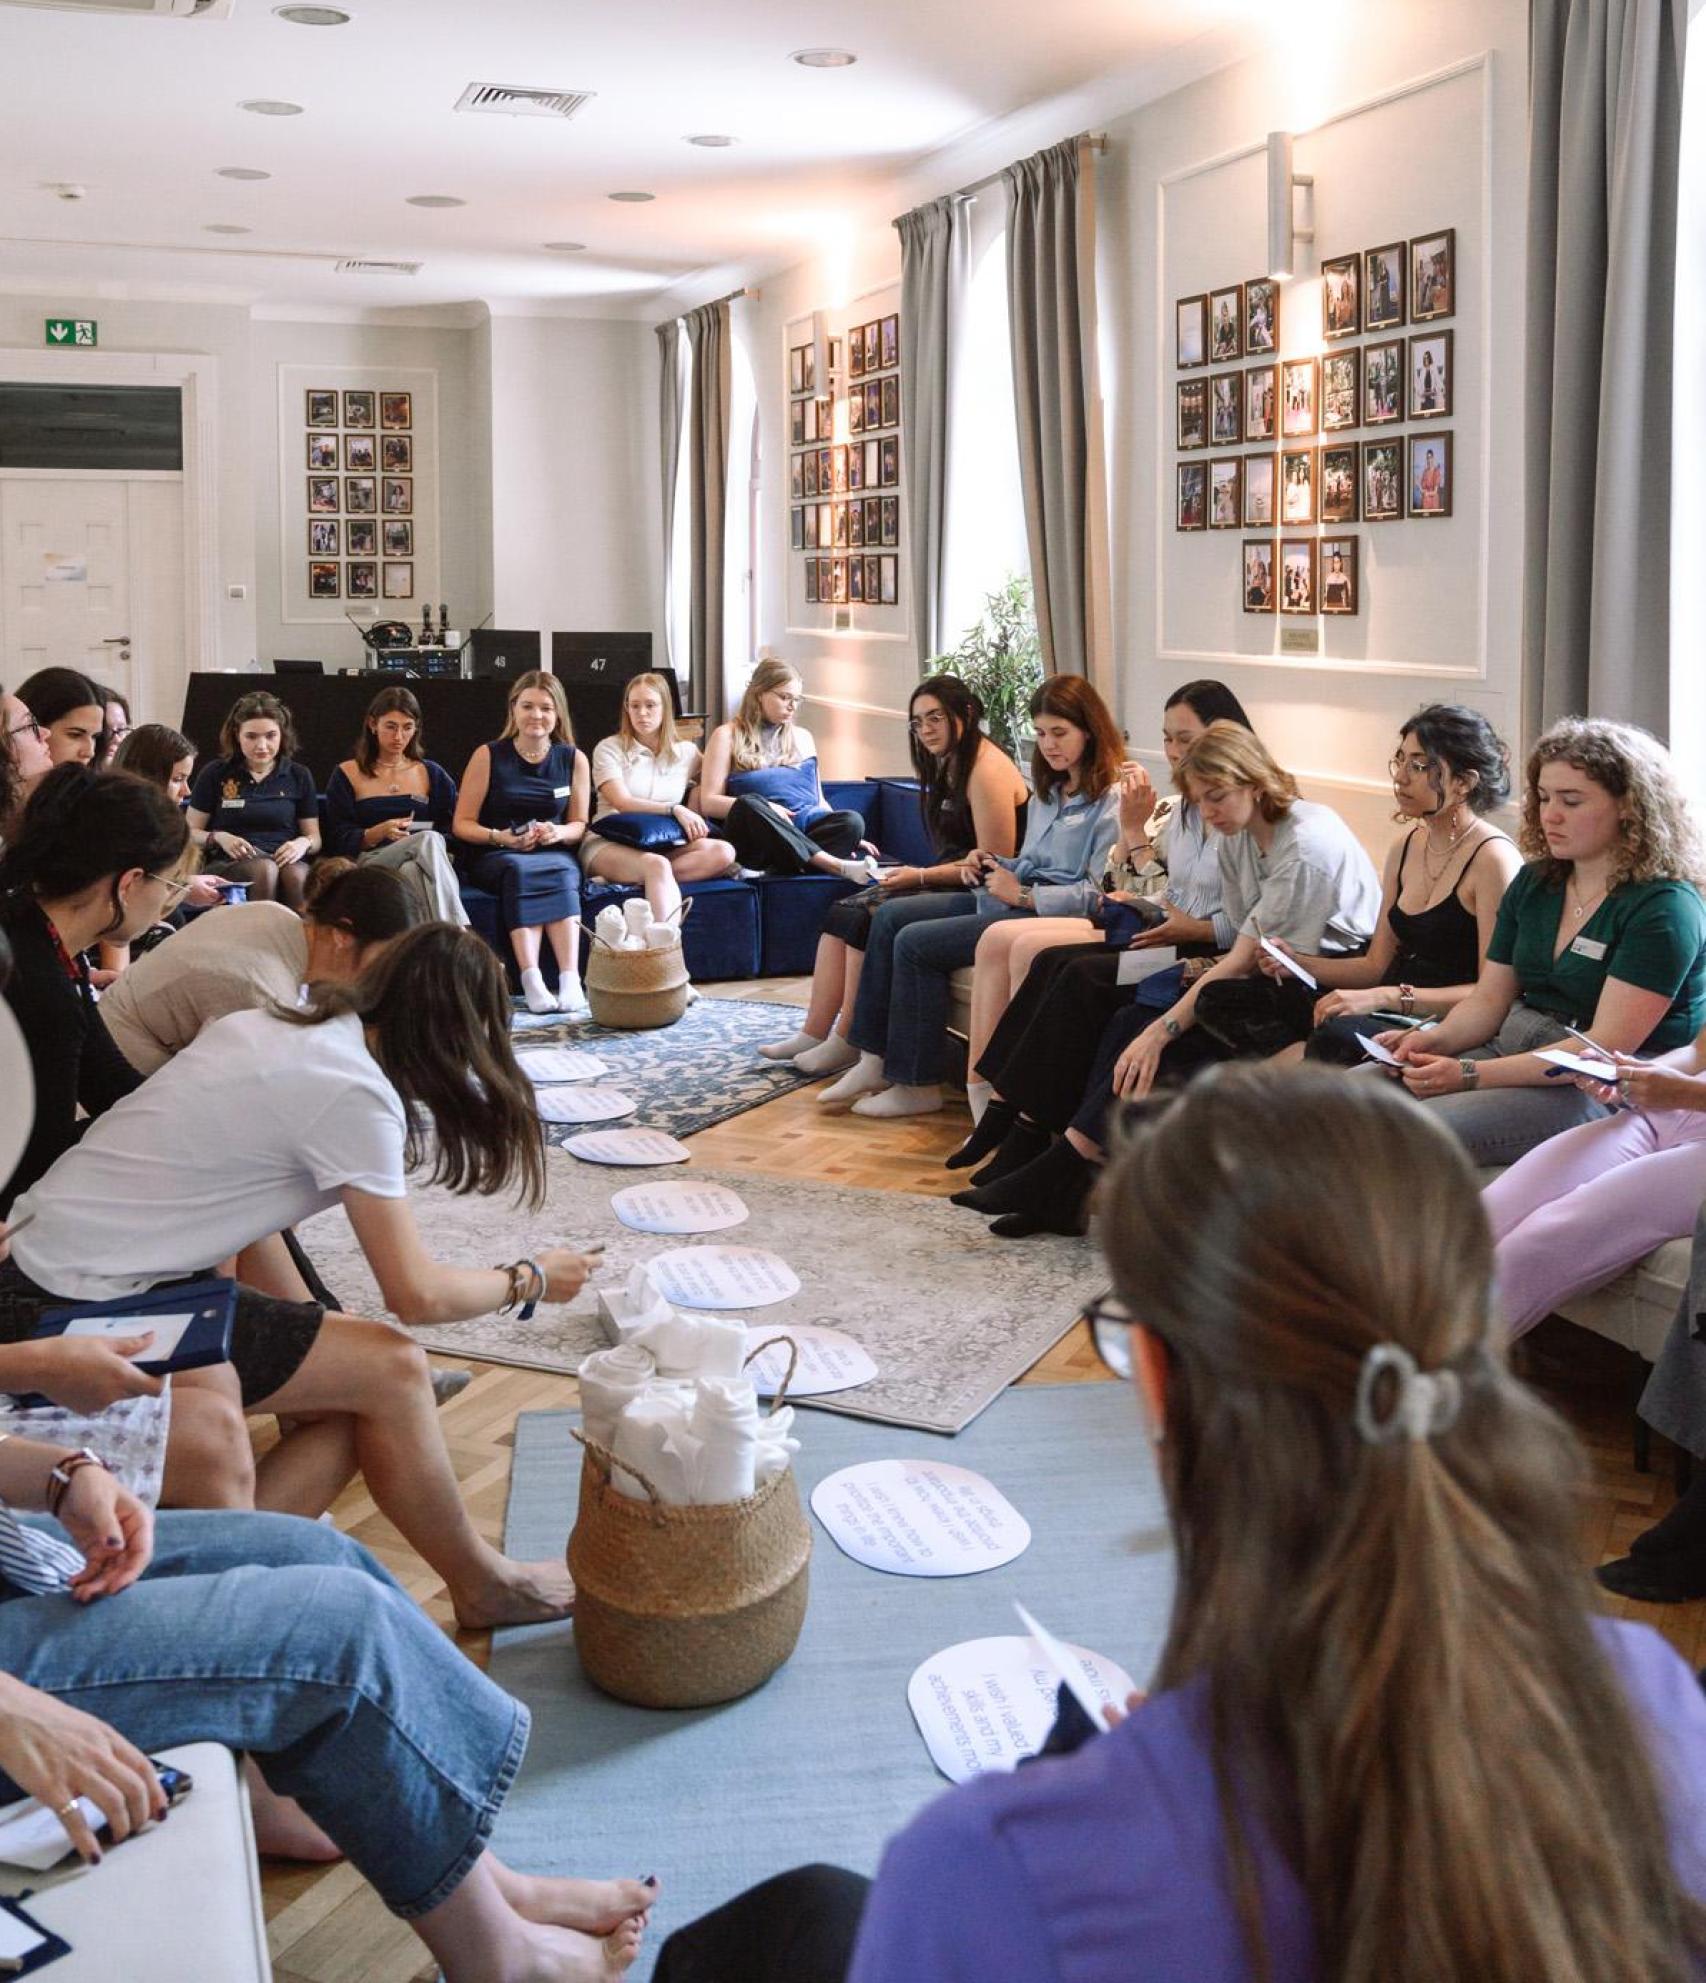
column 790, row 785
column 645, row 830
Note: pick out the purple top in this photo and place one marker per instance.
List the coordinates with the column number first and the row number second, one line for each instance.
column 1065, row 1870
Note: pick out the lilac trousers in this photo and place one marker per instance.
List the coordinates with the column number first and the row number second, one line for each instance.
column 1581, row 1207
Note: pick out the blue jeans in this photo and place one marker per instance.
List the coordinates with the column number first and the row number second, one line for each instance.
column 284, row 1638
column 916, row 945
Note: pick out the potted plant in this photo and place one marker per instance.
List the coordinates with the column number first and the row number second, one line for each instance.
column 1000, row 660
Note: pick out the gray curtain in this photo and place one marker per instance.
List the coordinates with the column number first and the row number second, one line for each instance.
column 1051, row 300
column 708, row 480
column 669, row 433
column 1605, row 112
column 934, row 261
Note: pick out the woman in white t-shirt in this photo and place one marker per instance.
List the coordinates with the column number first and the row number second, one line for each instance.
column 643, row 831
column 267, row 1118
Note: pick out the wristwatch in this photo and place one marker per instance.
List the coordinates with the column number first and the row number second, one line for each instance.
column 1171, row 1028
column 1027, row 897
column 1471, row 1072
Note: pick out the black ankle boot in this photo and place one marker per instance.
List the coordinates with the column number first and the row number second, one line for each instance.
column 1022, row 1144
column 1057, row 1198
column 986, row 1135
column 1675, row 1577
column 1684, row 1528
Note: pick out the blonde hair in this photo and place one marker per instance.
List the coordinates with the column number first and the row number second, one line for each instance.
column 562, row 731
column 1659, row 838
column 748, row 752
column 1228, row 754
column 666, row 730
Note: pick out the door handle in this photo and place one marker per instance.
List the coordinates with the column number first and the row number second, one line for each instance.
column 117, row 640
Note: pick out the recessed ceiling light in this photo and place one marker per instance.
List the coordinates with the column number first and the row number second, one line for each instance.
column 824, row 58
column 313, row 17
column 241, row 172
column 632, row 199
column 711, row 140
column 434, row 200
column 566, row 247
column 225, row 227
column 268, row 106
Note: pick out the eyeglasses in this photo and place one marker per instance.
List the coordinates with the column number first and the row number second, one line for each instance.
column 173, row 888
column 1417, row 767
column 1106, row 1308
column 929, row 722
column 29, row 728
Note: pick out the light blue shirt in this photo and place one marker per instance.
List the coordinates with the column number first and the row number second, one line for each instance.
column 1067, row 841
column 1190, row 853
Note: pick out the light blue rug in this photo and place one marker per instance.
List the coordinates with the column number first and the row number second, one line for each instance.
column 824, row 1761
column 689, row 1076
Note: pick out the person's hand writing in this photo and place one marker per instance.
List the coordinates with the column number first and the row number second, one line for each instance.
column 1428, row 1075
column 56, row 1754
column 114, row 1530
column 1136, row 1068
column 1268, row 964
column 88, row 1373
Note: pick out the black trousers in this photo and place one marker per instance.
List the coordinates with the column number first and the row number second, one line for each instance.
column 1043, row 1051
column 797, row 1928
column 764, row 839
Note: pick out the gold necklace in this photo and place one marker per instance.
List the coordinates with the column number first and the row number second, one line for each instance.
column 1582, row 908
column 1432, row 874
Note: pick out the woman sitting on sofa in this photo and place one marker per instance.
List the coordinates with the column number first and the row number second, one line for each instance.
column 255, row 809
column 391, row 806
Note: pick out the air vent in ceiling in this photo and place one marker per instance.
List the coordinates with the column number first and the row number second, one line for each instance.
column 353, row 267
column 508, row 100
column 183, row 10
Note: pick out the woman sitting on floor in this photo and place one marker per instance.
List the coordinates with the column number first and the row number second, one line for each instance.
column 520, row 814
column 254, row 808
column 267, row 1118
column 970, row 794
column 1440, row 894
column 69, row 710
column 1288, row 868
column 1603, row 930
column 643, row 832
column 901, row 1014
column 761, row 790
column 391, row 806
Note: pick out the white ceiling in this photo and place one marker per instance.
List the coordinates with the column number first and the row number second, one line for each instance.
column 143, row 111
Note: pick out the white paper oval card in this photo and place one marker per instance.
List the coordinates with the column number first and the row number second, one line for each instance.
column 583, row 1104
column 546, row 1064
column 986, row 1704
column 920, row 1518
column 723, row 1277
column 638, row 1147
column 679, row 1205
column 829, row 1360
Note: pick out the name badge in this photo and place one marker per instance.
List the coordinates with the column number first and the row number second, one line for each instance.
column 561, row 791
column 231, row 805
column 1587, row 946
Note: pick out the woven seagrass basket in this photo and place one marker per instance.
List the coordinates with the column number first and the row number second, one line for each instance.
column 636, row 989
column 684, row 1607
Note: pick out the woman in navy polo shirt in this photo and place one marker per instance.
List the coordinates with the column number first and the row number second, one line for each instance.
column 255, row 806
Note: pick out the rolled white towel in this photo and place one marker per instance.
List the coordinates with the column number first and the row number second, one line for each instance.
column 652, row 1434
column 725, row 1423
column 636, row 919
column 662, row 936
column 610, row 1381
column 609, row 926
column 775, row 1446
column 692, row 1345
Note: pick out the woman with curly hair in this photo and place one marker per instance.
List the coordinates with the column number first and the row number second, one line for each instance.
column 1603, row 930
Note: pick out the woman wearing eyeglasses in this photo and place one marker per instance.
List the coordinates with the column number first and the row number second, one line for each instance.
column 971, row 794
column 25, row 759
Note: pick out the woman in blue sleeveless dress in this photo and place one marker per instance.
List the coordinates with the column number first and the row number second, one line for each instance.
column 521, row 811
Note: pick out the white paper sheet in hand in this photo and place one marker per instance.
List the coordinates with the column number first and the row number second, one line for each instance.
column 829, row 1361
column 1291, row 964
column 1376, row 1051
column 166, row 1330
column 637, row 1147
column 583, row 1104
column 677, row 1207
column 723, row 1277
column 1579, row 1063
column 986, row 1704
column 1136, row 965
column 560, row 1064
column 32, row 1836
column 920, row 1518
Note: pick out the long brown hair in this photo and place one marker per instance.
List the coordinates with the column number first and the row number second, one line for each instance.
column 1404, row 1684
column 437, row 1014
column 1073, row 700
column 388, row 702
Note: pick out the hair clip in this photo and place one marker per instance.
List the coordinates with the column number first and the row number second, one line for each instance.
column 1423, row 1402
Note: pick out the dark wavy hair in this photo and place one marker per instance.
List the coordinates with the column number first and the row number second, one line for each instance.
column 51, row 693
column 84, row 826
column 11, row 785
column 1209, row 702
column 940, row 778
column 109, row 695
column 370, row 903
column 436, row 1009
column 1071, row 698
column 152, row 750
column 388, row 702
column 260, row 705
column 1461, row 743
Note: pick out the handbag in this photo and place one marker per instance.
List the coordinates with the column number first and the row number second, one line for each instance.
column 648, row 831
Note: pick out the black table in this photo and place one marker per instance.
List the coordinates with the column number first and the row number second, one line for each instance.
column 456, row 716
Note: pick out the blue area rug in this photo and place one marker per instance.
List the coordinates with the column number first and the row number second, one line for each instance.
column 824, row 1761
column 689, row 1076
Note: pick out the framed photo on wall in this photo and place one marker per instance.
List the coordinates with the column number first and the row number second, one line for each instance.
column 1226, row 324
column 358, row 454
column 873, row 508
column 856, row 526
column 1297, row 485
column 1382, row 382
column 1190, row 334
column 797, row 368
column 1261, row 316
column 322, row 451
column 873, row 346
column 891, row 341
column 397, row 495
column 399, row 581
column 838, row 519
column 808, row 367
column 1300, row 386
column 838, row 457
column 1341, row 390
column 826, row 526
column 1382, row 481
column 361, row 537
column 825, row 471
column 856, row 352
column 838, row 588
column 322, row 537
column 1190, row 511
column 1261, row 393
column 808, row 473
column 1225, row 410
column 889, row 578
column 1260, row 472
column 399, row 537
column 358, row 409
column 1430, row 474
column 891, row 519
column 1338, row 574
column 1258, row 575
column 856, row 413
column 1433, row 275
column 322, row 410
column 811, row 581
column 1383, row 286
column 1192, row 413
column 397, row 453
column 396, row 411
column 810, row 422
column 322, row 495
column 362, row 581
column 324, row 582
column 797, row 422
column 1430, row 375
column 1341, row 296
column 1297, row 575
column 890, row 476
column 855, row 466
column 796, row 476
column 1225, row 493
column 891, row 401
column 359, row 495
column 1339, row 484
column 855, row 581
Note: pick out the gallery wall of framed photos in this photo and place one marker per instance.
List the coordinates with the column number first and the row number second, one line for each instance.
column 358, row 492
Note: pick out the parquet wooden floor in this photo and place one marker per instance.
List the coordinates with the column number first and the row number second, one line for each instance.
column 326, row 1926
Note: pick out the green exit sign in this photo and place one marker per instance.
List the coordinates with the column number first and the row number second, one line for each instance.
column 71, row 330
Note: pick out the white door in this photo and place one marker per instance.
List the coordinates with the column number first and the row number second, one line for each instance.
column 90, row 578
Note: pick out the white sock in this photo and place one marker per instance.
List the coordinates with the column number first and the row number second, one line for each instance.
column 570, row 997
column 865, row 1077
column 861, row 869
column 979, row 1095
column 901, row 1099
column 793, row 1044
column 534, row 989
column 834, row 1056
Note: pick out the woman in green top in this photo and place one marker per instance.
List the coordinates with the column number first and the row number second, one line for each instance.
column 1604, row 930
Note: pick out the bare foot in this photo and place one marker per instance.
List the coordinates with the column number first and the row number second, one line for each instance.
column 564, row 1955
column 597, row 1907
column 283, row 1830
column 515, row 1594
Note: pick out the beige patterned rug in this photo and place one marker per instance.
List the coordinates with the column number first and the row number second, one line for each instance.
column 950, row 1315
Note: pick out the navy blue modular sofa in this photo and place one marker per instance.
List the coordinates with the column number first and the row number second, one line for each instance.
column 767, row 927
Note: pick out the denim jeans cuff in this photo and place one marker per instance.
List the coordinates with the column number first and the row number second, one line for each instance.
column 485, row 1818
